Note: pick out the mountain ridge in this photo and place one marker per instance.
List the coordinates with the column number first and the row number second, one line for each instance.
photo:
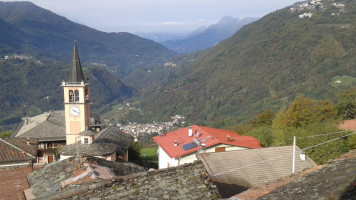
column 262, row 66
column 50, row 35
column 205, row 37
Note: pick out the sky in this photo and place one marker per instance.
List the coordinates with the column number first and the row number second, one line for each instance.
column 157, row 16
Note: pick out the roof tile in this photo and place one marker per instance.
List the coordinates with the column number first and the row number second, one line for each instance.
column 17, row 149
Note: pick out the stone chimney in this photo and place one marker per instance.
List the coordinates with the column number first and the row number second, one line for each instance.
column 26, row 120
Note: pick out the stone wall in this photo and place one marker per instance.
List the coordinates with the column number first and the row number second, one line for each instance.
column 189, row 181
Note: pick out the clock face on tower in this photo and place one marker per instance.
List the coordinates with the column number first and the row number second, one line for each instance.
column 74, row 111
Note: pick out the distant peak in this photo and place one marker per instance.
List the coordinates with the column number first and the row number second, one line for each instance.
column 226, row 19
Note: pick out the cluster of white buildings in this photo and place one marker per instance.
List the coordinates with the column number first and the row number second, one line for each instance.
column 306, row 15
column 15, row 56
column 136, row 129
column 312, row 6
column 170, row 64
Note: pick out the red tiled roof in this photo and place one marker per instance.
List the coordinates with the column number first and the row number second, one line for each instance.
column 208, row 136
column 348, row 124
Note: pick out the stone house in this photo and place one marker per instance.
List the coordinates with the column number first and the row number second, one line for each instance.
column 48, row 128
column 110, row 144
column 15, row 152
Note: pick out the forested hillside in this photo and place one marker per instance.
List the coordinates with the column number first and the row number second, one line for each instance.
column 264, row 66
column 30, row 87
column 29, row 29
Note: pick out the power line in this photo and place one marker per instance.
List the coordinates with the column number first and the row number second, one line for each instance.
column 310, row 136
column 328, row 141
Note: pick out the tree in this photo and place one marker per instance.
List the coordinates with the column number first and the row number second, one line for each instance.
column 346, row 105
column 304, row 111
column 264, row 134
column 5, row 134
column 263, row 119
column 135, row 152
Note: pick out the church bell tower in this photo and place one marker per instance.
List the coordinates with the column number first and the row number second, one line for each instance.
column 76, row 101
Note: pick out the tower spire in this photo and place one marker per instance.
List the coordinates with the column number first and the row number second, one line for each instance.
column 76, row 73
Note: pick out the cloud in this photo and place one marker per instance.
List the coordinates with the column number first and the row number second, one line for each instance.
column 173, row 23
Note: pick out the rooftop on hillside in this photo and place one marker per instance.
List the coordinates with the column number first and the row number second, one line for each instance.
column 188, row 141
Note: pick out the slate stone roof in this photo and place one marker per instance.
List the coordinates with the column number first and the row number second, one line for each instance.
column 46, row 183
column 115, row 136
column 236, row 171
column 189, row 181
column 106, row 142
column 88, row 149
column 208, row 136
column 49, row 126
column 17, row 149
column 87, row 133
column 337, row 180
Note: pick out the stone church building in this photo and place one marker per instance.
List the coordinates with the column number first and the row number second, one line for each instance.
column 74, row 131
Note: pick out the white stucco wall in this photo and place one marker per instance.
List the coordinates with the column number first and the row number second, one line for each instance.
column 164, row 159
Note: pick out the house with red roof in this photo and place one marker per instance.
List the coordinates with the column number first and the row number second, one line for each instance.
column 180, row 146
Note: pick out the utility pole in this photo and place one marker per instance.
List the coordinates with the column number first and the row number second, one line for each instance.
column 293, row 167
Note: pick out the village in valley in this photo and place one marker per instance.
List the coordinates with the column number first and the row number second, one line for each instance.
column 76, row 153
column 138, row 130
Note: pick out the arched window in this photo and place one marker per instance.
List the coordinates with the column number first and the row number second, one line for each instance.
column 76, row 95
column 71, row 98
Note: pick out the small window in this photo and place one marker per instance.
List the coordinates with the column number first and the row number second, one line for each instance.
column 86, row 141
column 71, row 96
column 76, row 95
column 219, row 149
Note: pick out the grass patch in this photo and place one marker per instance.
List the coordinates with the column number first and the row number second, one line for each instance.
column 342, row 81
column 150, row 152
